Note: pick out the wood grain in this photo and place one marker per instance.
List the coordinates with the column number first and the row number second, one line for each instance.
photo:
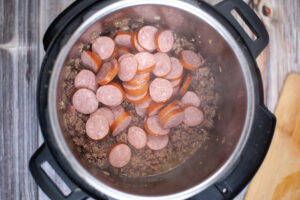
column 22, row 25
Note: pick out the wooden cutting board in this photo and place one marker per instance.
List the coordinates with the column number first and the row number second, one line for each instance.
column 279, row 176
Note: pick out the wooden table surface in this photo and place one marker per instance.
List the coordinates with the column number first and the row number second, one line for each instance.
column 22, row 25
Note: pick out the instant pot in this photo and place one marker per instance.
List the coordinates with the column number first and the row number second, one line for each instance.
column 245, row 126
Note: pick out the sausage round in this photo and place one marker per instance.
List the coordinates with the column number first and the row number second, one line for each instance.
column 190, row 98
column 136, row 99
column 161, row 90
column 135, row 43
column 193, row 116
column 103, row 76
column 123, row 38
column 97, row 127
column 136, row 90
column 176, row 83
column 185, row 84
column 190, row 60
column 137, row 137
column 104, row 46
column 111, row 94
column 164, row 40
column 119, row 155
column 142, row 112
column 163, row 65
column 172, row 106
column 172, row 119
column 146, row 37
column 123, row 50
column 157, row 142
column 128, row 68
column 121, row 123
column 139, row 79
column 154, row 108
column 86, row 79
column 176, row 71
column 144, row 105
column 106, row 112
column 125, row 56
column 117, row 111
column 91, row 60
column 153, row 126
column 146, row 62
column 85, row 101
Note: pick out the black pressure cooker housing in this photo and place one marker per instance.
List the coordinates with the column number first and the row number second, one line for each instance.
column 253, row 153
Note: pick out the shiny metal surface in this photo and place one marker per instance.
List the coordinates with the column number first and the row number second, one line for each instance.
column 230, row 65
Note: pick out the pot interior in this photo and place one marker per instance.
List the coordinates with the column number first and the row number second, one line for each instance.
column 229, row 85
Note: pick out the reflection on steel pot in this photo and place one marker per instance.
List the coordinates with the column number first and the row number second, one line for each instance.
column 218, row 171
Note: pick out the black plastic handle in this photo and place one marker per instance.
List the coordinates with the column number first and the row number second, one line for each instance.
column 63, row 19
column 251, row 19
column 251, row 158
column 42, row 155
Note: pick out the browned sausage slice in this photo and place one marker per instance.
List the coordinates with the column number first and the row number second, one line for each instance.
column 163, row 65
column 146, row 37
column 176, row 71
column 126, row 55
column 164, row 40
column 136, row 99
column 154, row 108
column 146, row 62
column 136, row 90
column 161, row 90
column 190, row 60
column 123, row 50
column 157, row 142
column 91, row 60
column 111, row 94
column 85, row 101
column 139, row 79
column 97, row 127
column 128, row 68
column 86, row 79
column 103, row 75
column 119, row 155
column 176, row 90
column 186, row 84
column 172, row 119
column 193, row 116
column 167, row 109
column 190, row 98
column 137, row 137
column 135, row 43
column 104, row 47
column 144, row 105
column 107, row 113
column 153, row 126
column 121, row 123
column 123, row 38
column 142, row 112
column 117, row 111
column 176, row 83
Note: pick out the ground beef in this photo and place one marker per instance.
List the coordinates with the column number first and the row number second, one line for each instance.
column 184, row 141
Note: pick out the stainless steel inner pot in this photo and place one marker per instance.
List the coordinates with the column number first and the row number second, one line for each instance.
column 234, row 83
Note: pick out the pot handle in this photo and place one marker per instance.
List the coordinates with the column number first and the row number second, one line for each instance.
column 250, row 160
column 251, row 19
column 41, row 156
column 59, row 23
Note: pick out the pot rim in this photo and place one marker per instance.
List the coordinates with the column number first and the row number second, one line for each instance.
column 243, row 58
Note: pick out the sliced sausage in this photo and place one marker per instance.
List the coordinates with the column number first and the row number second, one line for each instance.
column 157, row 142
column 154, row 108
column 135, row 43
column 128, row 68
column 176, row 83
column 176, row 90
column 142, row 112
column 86, row 79
column 164, row 40
column 139, row 79
column 144, row 105
column 97, row 127
column 136, row 99
column 190, row 98
column 163, row 65
column 117, row 111
column 137, row 137
column 107, row 113
column 108, row 72
column 190, row 60
column 185, row 84
column 119, row 155
column 172, row 119
column 193, row 116
column 91, row 61
column 123, row 38
column 104, row 47
column 126, row 55
column 176, row 71
column 146, row 62
column 146, row 37
column 167, row 109
column 153, row 126
column 123, row 50
column 85, row 101
column 161, row 90
column 136, row 90
column 121, row 123
column 111, row 94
